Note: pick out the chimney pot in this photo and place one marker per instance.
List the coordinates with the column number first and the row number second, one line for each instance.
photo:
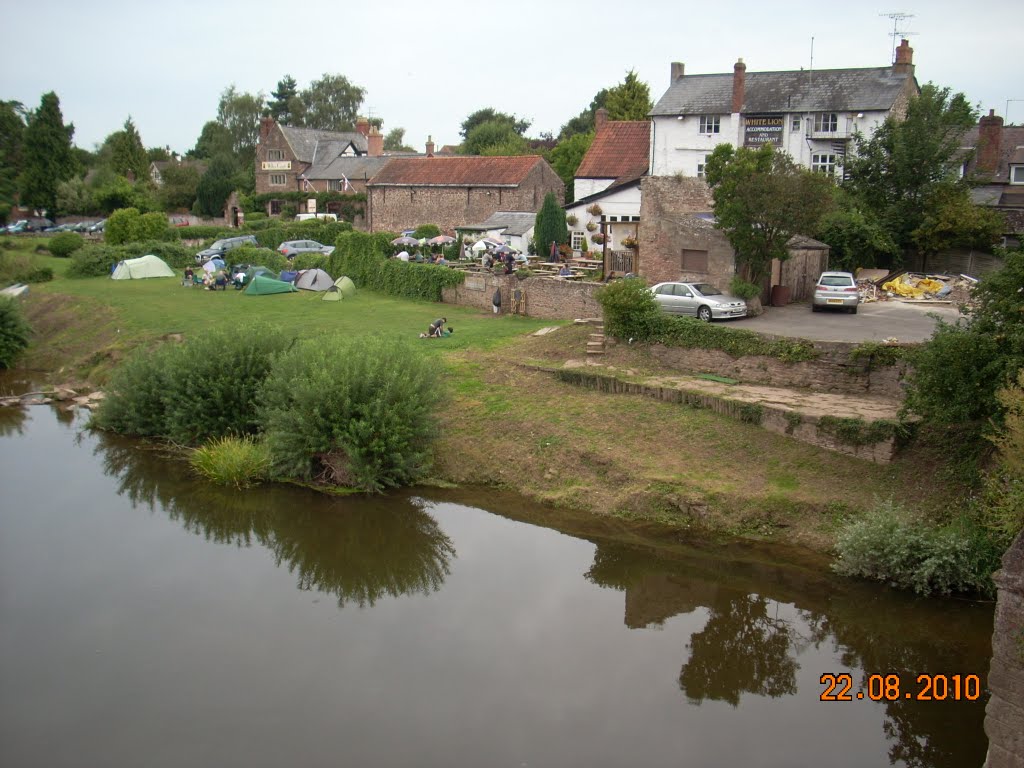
column 904, row 59
column 600, row 118
column 363, row 126
column 374, row 143
column 266, row 126
column 990, row 136
column 430, row 146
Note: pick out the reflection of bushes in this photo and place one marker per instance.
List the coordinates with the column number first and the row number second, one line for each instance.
column 368, row 552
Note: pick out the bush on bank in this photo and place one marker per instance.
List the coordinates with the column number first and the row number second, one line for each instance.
column 14, row 331
column 357, row 412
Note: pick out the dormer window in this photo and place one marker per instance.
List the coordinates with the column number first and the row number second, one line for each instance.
column 710, row 124
column 826, row 122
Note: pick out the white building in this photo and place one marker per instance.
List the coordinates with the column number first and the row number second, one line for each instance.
column 811, row 114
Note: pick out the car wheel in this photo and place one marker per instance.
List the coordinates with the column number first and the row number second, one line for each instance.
column 815, row 308
column 853, row 310
column 704, row 314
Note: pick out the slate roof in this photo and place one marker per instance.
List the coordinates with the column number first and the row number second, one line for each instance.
column 620, row 148
column 511, row 222
column 456, row 171
column 823, row 90
column 362, row 167
column 304, row 141
column 1011, row 151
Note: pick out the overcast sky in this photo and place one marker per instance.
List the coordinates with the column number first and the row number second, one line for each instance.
column 427, row 65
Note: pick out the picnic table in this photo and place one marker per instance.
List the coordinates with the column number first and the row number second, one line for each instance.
column 588, row 262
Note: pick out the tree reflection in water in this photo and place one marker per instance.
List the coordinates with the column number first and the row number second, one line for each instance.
column 12, row 420
column 745, row 647
column 358, row 549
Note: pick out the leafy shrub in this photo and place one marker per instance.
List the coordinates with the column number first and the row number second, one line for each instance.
column 356, row 412
column 152, row 226
column 264, row 257
column 426, row 231
column 237, row 461
column 94, row 260
column 1002, row 499
column 889, row 544
column 630, row 311
column 364, row 258
column 743, row 289
column 14, row 331
column 195, row 391
column 121, row 226
column 312, row 261
column 66, row 243
column 176, row 255
column 22, row 268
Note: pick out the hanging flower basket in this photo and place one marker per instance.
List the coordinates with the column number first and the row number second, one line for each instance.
column 594, row 210
column 571, row 220
column 629, row 242
column 591, row 226
column 597, row 239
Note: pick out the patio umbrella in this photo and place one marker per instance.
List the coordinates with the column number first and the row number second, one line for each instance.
column 504, row 249
column 404, row 240
column 441, row 240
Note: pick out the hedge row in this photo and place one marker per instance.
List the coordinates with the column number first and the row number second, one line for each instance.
column 365, row 259
column 94, row 260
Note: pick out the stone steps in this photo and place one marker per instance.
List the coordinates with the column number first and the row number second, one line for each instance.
column 596, row 345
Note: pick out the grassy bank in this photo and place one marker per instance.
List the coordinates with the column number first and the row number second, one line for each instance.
column 508, row 424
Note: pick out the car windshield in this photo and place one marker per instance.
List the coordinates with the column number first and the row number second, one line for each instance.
column 706, row 289
column 836, row 280
column 219, row 244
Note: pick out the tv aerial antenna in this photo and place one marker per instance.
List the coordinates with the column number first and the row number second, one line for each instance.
column 898, row 17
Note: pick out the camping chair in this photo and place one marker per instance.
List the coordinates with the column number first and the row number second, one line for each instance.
column 196, row 279
column 220, row 284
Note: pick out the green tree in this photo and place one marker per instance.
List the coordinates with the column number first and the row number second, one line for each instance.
column 128, row 155
column 629, row 100
column 12, row 138
column 490, row 115
column 584, row 121
column 855, row 239
column 215, row 185
column 159, row 154
column 74, row 196
column 762, row 198
column 909, row 166
column 494, row 137
column 47, row 159
column 285, row 106
column 550, row 225
column 179, row 188
column 951, row 220
column 239, row 113
column 213, row 140
column 332, row 103
column 394, row 141
column 566, row 158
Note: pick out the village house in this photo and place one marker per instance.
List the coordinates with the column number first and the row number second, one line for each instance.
column 513, row 228
column 450, row 191
column 996, row 166
column 810, row 114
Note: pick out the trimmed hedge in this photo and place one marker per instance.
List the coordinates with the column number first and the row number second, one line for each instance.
column 365, row 259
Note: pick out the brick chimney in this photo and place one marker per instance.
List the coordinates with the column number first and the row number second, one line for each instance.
column 904, row 59
column 430, row 146
column 266, row 126
column 990, row 134
column 363, row 126
column 678, row 70
column 739, row 79
column 374, row 143
column 600, row 118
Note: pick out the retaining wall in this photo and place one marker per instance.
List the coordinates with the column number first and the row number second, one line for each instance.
column 543, row 297
column 1004, row 715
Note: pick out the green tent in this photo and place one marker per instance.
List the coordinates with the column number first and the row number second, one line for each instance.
column 262, row 285
column 144, row 266
column 346, row 286
column 252, row 272
column 332, row 294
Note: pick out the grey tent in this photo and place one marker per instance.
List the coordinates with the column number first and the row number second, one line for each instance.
column 314, row 280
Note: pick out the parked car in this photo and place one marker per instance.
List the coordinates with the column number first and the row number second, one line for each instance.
column 18, row 226
column 97, row 228
column 836, row 289
column 293, row 247
column 39, row 224
column 221, row 247
column 700, row 300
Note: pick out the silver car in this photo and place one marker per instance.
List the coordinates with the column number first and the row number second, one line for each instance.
column 836, row 289
column 700, row 300
column 292, row 248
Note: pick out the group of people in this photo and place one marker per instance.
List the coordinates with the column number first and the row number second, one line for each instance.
column 211, row 281
column 431, row 258
column 508, row 262
column 437, row 330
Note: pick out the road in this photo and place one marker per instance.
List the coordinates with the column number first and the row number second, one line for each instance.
column 875, row 321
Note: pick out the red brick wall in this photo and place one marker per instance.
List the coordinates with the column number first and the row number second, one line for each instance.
column 275, row 140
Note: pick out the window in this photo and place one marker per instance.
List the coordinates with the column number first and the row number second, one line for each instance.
column 577, row 240
column 275, row 207
column 1017, row 174
column 275, row 154
column 694, row 261
column 826, row 122
column 710, row 123
column 701, row 165
column 796, row 123
column 334, row 185
column 824, row 164
column 278, row 179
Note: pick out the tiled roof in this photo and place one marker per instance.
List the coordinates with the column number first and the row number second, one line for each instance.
column 361, row 167
column 512, row 222
column 823, row 90
column 1011, row 151
column 620, row 148
column 304, row 141
column 456, row 171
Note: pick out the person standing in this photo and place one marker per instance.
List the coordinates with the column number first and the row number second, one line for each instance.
column 496, row 301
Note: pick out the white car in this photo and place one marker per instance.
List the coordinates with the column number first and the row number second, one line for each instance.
column 836, row 289
column 700, row 300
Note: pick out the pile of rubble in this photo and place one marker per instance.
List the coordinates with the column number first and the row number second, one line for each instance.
column 877, row 285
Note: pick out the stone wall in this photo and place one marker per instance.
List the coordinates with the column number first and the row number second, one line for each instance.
column 274, row 139
column 667, row 226
column 833, row 371
column 1004, row 715
column 393, row 208
column 543, row 297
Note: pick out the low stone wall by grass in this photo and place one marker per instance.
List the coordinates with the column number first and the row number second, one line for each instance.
column 543, row 297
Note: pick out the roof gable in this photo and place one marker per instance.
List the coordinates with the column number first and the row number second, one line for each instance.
column 334, row 168
column 620, row 148
column 305, row 142
column 456, row 171
column 825, row 90
column 510, row 222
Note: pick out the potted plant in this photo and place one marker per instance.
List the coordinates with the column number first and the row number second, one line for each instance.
column 571, row 220
column 597, row 238
column 594, row 210
column 629, row 242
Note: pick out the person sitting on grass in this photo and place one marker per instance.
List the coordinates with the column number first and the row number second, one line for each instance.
column 434, row 329
column 189, row 275
column 441, row 333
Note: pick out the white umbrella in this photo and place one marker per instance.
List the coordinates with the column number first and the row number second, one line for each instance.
column 405, row 241
column 441, row 240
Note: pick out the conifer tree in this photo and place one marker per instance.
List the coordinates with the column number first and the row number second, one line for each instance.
column 48, row 159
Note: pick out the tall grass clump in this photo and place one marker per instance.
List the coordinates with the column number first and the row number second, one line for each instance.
column 14, row 331
column 236, row 461
column 204, row 388
column 891, row 545
column 356, row 412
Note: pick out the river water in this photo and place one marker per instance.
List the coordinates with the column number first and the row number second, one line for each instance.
column 150, row 619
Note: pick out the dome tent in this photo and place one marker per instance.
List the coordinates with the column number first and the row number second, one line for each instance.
column 314, row 280
column 144, row 266
column 262, row 285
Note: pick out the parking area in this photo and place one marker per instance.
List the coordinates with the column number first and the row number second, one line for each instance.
column 875, row 321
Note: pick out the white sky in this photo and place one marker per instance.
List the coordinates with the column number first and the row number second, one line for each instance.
column 427, row 65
